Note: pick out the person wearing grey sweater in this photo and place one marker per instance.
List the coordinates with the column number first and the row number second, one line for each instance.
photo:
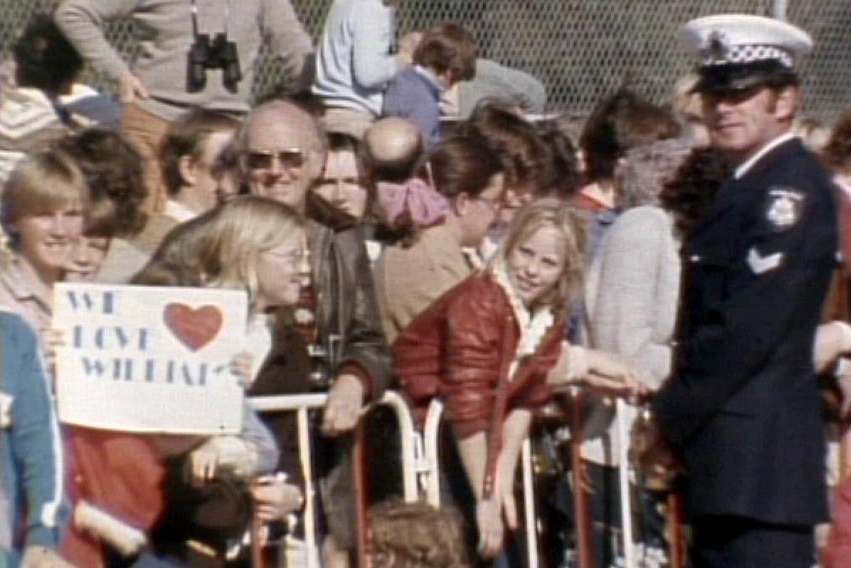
column 155, row 90
column 163, row 30
column 354, row 63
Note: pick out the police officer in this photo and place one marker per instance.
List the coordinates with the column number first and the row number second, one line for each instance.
column 742, row 406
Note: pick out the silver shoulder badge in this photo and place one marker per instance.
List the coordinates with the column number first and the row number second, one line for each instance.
column 784, row 207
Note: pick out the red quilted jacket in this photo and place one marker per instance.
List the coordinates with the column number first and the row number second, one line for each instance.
column 454, row 350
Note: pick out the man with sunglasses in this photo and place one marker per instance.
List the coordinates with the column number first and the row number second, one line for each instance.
column 742, row 406
column 282, row 155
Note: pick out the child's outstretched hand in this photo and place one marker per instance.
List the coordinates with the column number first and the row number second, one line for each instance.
column 614, row 377
column 274, row 498
column 42, row 557
column 242, row 368
column 204, row 463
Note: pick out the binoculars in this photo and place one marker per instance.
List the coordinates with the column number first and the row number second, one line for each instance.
column 216, row 53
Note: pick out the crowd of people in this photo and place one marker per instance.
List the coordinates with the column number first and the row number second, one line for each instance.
column 402, row 217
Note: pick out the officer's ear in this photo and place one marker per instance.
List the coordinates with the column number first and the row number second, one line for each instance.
column 786, row 103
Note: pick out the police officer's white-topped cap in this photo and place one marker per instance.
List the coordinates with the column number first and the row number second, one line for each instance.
column 738, row 52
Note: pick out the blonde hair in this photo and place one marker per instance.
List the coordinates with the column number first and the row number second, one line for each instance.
column 44, row 182
column 572, row 226
column 243, row 229
column 220, row 249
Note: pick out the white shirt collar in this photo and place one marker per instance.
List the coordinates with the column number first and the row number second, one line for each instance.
column 430, row 78
column 178, row 211
column 743, row 169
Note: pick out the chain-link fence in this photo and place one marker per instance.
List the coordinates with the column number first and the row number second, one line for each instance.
column 581, row 49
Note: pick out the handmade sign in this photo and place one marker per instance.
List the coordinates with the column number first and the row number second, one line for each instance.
column 148, row 359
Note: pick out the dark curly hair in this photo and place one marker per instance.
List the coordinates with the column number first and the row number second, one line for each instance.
column 526, row 157
column 114, row 174
column 44, row 58
column 691, row 191
column 622, row 121
column 566, row 177
column 836, row 155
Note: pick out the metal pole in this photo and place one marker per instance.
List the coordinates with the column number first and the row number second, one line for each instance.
column 581, row 499
column 431, row 443
column 529, row 514
column 779, row 9
column 361, row 497
column 623, row 483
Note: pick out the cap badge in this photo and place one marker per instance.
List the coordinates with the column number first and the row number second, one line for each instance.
column 718, row 47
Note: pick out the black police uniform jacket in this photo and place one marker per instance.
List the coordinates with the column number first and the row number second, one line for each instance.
column 743, row 405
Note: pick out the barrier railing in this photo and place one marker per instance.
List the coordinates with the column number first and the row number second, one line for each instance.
column 410, row 447
column 300, row 404
column 421, row 475
column 585, row 557
column 431, row 477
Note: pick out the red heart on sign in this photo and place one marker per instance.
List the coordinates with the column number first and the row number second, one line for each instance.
column 194, row 327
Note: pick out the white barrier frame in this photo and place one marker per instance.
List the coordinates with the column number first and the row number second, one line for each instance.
column 300, row 404
column 431, row 483
column 623, row 479
column 411, row 445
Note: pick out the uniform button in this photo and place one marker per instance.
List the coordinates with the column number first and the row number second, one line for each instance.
column 694, row 258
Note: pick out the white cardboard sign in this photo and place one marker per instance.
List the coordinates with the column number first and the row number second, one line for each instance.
column 149, row 359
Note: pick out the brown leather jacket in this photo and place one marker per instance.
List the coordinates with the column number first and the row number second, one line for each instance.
column 347, row 307
column 454, row 350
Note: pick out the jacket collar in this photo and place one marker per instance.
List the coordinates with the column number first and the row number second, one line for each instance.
column 326, row 214
column 21, row 281
column 776, row 151
column 534, row 325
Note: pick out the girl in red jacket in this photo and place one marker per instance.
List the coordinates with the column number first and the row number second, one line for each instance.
column 492, row 349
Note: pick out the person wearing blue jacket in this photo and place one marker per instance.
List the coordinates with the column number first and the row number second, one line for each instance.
column 31, row 468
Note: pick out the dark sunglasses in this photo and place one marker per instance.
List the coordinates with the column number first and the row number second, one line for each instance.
column 291, row 159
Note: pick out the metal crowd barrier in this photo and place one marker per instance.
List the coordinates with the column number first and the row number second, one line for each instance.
column 421, row 475
column 676, row 544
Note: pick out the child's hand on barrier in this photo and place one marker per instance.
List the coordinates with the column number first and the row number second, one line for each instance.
column 274, row 498
column 241, row 366
column 204, row 462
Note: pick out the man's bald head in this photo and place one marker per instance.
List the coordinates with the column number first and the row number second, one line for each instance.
column 282, row 151
column 393, row 148
column 291, row 113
